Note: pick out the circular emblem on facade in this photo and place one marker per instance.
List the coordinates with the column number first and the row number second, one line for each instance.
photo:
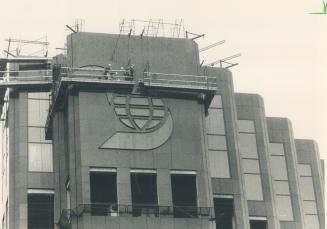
column 140, row 113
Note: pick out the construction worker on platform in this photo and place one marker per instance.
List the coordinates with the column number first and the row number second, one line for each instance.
column 130, row 72
column 107, row 72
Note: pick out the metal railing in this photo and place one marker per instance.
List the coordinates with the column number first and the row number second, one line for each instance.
column 179, row 80
column 25, row 76
column 96, row 74
column 135, row 210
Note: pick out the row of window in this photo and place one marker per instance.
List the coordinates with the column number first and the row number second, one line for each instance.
column 307, row 192
column 144, row 192
column 217, row 145
column 219, row 162
column 41, row 205
column 250, row 159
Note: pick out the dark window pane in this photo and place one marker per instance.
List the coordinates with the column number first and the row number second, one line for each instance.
column 40, row 211
column 256, row 224
column 144, row 193
column 103, row 193
column 184, row 195
column 224, row 213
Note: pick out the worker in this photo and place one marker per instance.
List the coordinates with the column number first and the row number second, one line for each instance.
column 107, row 72
column 130, row 72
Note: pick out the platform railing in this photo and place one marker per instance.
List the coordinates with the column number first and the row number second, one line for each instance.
column 135, row 210
column 180, row 80
column 26, row 76
column 96, row 74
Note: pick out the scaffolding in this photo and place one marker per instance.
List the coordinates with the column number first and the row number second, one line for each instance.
column 152, row 28
column 27, row 48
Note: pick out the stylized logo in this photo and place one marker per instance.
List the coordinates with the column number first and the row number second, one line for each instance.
column 148, row 119
column 324, row 8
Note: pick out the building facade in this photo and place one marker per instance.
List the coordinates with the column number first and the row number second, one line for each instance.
column 132, row 132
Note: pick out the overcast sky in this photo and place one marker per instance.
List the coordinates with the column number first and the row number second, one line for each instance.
column 283, row 46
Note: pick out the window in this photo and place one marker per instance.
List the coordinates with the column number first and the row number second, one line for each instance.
column 258, row 224
column 215, row 122
column 280, row 181
column 219, row 164
column 217, row 142
column 308, row 197
column 248, row 145
column 216, row 138
column 103, row 190
column 284, row 207
column 245, row 126
column 40, row 157
column 311, row 221
column 224, row 212
column 184, row 194
column 278, row 167
column 250, row 160
column 253, row 186
column 39, row 150
column 144, row 192
column 40, row 209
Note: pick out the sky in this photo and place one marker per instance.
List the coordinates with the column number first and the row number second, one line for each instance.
column 283, row 46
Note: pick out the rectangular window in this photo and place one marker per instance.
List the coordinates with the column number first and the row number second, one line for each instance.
column 280, row 181
column 248, row 145
column 40, row 157
column 258, row 224
column 217, row 142
column 251, row 166
column 276, row 149
column 219, row 164
column 278, row 167
column 40, row 210
column 224, row 213
column 184, row 194
column 39, row 150
column 245, row 126
column 308, row 196
column 284, row 208
column 309, row 207
column 281, row 187
column 307, row 189
column 250, row 160
column 253, row 186
column 144, row 193
column 311, row 222
column 215, row 122
column 37, row 112
column 103, row 193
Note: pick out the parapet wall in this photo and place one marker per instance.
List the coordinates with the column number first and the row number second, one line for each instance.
column 164, row 55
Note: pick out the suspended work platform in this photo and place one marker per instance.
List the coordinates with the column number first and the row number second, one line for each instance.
column 66, row 79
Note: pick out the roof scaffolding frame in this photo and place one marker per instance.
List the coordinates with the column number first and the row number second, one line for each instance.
column 152, row 28
column 27, row 48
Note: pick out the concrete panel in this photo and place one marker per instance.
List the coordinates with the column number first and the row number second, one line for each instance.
column 251, row 107
column 280, row 131
column 308, row 153
column 165, row 55
column 225, row 89
column 40, row 180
